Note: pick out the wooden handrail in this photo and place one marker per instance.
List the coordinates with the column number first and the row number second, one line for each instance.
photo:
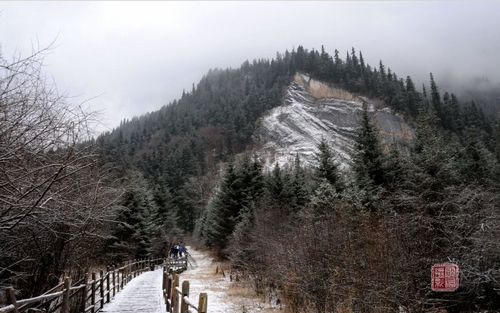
column 172, row 292
column 98, row 286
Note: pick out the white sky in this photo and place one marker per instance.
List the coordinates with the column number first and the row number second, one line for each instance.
column 138, row 56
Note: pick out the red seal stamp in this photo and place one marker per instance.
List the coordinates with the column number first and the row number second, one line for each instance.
column 445, row 277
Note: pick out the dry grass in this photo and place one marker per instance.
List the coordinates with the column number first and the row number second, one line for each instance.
column 240, row 290
column 243, row 292
column 320, row 90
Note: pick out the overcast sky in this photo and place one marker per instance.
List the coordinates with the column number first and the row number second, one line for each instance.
column 138, row 56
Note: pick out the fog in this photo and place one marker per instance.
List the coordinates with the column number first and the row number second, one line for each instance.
column 135, row 57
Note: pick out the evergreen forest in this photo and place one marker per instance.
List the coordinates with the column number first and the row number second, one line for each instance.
column 360, row 239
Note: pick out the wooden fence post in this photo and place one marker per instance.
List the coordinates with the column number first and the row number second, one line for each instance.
column 124, row 274
column 101, row 287
column 164, row 281
column 131, row 270
column 185, row 293
column 11, row 298
column 168, row 294
column 114, row 281
column 83, row 302
column 174, row 298
column 202, row 303
column 132, row 267
column 92, row 297
column 127, row 270
column 120, row 285
column 108, row 289
column 66, row 295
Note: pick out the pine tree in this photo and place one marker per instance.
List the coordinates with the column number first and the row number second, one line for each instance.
column 368, row 156
column 213, row 228
column 324, row 200
column 163, row 199
column 394, row 171
column 224, row 209
column 277, row 185
column 337, row 59
column 413, row 104
column 299, row 186
column 355, row 61
column 240, row 249
column 368, row 160
column 497, row 151
column 362, row 62
column 456, row 115
column 336, row 74
column 239, row 190
column 434, row 159
column 251, row 177
column 436, row 100
column 497, row 140
column 447, row 119
column 136, row 227
column 477, row 164
column 381, row 69
column 327, row 167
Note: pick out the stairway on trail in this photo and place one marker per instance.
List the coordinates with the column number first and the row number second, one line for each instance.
column 142, row 294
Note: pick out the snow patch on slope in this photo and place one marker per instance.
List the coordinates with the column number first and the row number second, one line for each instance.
column 313, row 110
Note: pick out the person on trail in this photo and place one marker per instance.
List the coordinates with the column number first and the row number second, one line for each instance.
column 173, row 251
column 178, row 249
column 182, row 250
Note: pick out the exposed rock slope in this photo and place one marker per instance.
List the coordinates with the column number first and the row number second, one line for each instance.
column 313, row 110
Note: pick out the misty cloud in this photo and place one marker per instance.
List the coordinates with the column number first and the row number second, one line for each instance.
column 138, row 56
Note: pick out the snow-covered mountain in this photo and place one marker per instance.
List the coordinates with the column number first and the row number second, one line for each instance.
column 313, row 110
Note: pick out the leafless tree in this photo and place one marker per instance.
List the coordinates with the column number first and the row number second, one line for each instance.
column 335, row 257
column 54, row 199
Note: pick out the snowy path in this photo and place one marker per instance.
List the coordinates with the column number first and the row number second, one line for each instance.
column 223, row 297
column 142, row 294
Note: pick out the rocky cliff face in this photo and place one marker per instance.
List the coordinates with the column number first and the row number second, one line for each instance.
column 313, row 110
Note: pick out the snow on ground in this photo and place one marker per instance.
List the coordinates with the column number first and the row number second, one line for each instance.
column 223, row 296
column 142, row 294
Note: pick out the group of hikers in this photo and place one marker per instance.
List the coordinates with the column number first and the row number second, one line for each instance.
column 178, row 250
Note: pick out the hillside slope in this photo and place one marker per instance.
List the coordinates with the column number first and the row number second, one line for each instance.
column 313, row 110
column 264, row 106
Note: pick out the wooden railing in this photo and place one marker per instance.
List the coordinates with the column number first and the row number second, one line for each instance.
column 86, row 295
column 177, row 299
column 176, row 265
